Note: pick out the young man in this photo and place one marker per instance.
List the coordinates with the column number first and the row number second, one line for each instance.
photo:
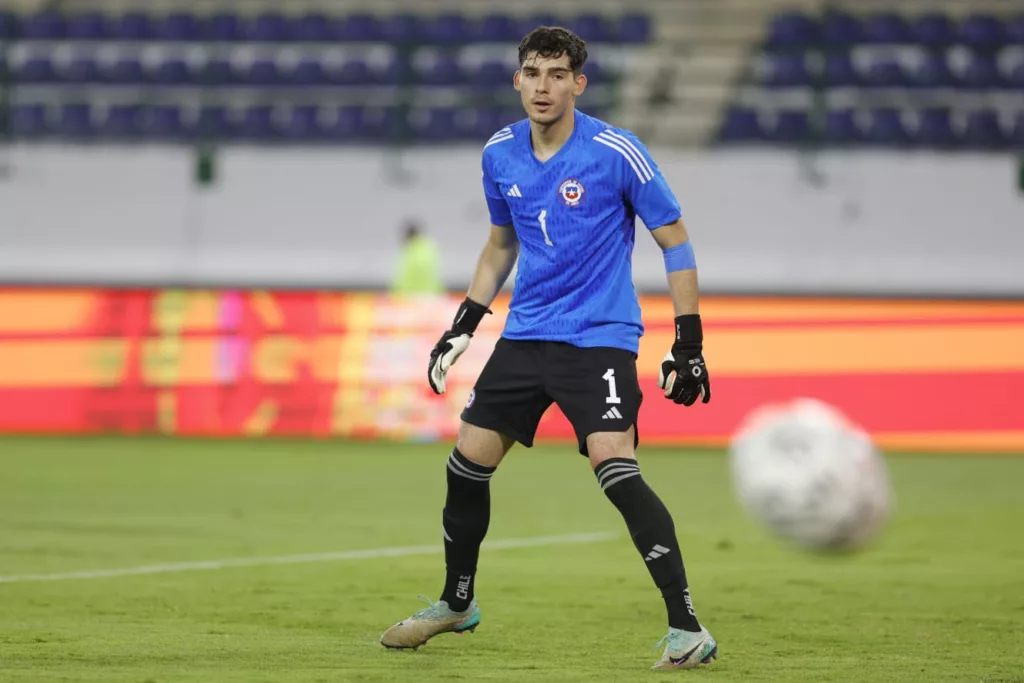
column 563, row 190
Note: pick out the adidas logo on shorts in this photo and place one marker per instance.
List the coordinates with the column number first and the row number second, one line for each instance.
column 612, row 414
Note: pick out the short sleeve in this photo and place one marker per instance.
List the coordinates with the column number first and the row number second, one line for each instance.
column 644, row 185
column 497, row 206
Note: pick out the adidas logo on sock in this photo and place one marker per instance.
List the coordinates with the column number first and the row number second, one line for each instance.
column 656, row 552
column 612, row 414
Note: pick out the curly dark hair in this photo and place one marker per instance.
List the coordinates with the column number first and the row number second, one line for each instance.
column 553, row 42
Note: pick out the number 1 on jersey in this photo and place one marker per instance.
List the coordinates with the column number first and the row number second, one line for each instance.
column 543, row 218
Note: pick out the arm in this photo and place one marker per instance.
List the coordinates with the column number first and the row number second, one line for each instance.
column 682, row 284
column 494, row 265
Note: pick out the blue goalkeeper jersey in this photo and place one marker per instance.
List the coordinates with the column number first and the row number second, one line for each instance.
column 575, row 217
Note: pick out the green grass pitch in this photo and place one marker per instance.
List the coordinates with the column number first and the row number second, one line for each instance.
column 939, row 597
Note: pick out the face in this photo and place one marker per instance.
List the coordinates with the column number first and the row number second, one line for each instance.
column 548, row 87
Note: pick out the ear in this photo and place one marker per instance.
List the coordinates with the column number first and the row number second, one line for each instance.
column 581, row 85
column 515, row 81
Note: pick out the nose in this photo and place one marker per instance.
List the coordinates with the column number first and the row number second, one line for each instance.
column 543, row 84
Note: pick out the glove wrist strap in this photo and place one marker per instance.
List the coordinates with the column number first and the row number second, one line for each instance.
column 469, row 315
column 689, row 333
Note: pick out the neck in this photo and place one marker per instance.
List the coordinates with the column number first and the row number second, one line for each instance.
column 548, row 138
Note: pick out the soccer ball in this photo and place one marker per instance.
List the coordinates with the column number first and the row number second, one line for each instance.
column 810, row 475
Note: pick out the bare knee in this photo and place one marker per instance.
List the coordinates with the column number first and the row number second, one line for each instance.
column 603, row 446
column 483, row 446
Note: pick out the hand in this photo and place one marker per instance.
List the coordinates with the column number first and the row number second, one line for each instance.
column 453, row 343
column 683, row 374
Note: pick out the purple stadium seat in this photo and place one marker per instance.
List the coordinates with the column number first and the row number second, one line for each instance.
column 839, row 71
column 303, row 123
column 178, row 26
column 258, row 123
column 1017, row 134
column 217, row 72
column 533, row 21
column 10, row 27
column 360, row 28
column 595, row 72
column 347, row 124
column 213, row 122
column 1015, row 30
column 43, row 26
column 173, row 72
column 268, row 27
column 380, row 123
column 933, row 73
column 1015, row 79
column 841, row 28
column 397, row 72
column 493, row 75
column 445, row 71
column 741, row 124
column 132, row 26
column 789, row 30
column 449, row 29
column 83, row 70
column 36, row 70
column 403, row 28
column 591, row 28
column 635, row 29
column 354, row 72
column 224, row 26
column 935, row 129
column 983, row 131
column 164, row 123
column 933, row 30
column 434, row 125
column 29, row 121
column 788, row 70
column 886, row 128
column 982, row 74
column 885, row 74
column 123, row 121
column 75, row 121
column 262, row 72
column 312, row 28
column 886, row 28
column 791, row 127
column 127, row 71
column 488, row 121
column 841, row 128
column 982, row 32
column 498, row 28
column 87, row 26
column 309, row 71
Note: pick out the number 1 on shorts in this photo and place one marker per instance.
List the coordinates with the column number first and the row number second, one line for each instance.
column 610, row 378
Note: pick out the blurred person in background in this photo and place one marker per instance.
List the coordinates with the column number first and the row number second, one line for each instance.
column 419, row 264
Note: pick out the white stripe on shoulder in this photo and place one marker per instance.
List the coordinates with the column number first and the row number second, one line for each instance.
column 614, row 144
column 504, row 131
column 629, row 143
column 499, row 138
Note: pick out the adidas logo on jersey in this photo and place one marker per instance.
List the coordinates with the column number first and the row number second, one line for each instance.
column 612, row 414
column 514, row 192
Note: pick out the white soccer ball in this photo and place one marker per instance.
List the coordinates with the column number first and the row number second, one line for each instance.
column 810, row 475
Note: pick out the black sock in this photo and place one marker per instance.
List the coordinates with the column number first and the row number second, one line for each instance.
column 654, row 535
column 467, row 512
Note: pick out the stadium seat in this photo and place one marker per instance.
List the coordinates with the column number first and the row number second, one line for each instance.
column 127, row 71
column 87, row 26
column 75, row 121
column 303, row 124
column 359, row 28
column 886, row 128
column 312, row 28
column 29, row 121
column 933, row 73
column 1015, row 30
column 489, row 120
column 309, row 71
column 1015, row 79
column 498, row 28
column 885, row 74
column 397, row 72
column 983, row 131
column 132, row 26
column 268, row 27
column 43, row 26
column 788, row 70
column 886, row 28
column 173, row 72
column 346, row 124
column 839, row 71
column 1017, row 133
column 933, row 30
column 635, row 29
column 224, row 26
column 216, row 72
column 492, row 75
column 445, row 71
column 213, row 123
column 981, row 32
column 10, row 27
column 841, row 128
column 791, row 30
column 741, row 124
column 982, row 74
column 434, row 125
column 935, row 129
column 595, row 72
column 258, row 124
column 841, row 29
column 591, row 28
column 380, row 124
column 36, row 70
column 164, row 123
column 449, row 29
column 262, row 72
column 791, row 127
column 403, row 28
column 83, row 70
column 533, row 21
column 354, row 72
column 122, row 122
column 178, row 26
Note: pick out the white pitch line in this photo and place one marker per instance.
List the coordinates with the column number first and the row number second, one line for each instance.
column 372, row 553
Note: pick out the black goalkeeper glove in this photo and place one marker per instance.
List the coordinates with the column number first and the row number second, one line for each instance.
column 683, row 374
column 454, row 342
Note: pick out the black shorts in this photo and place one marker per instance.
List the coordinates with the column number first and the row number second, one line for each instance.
column 596, row 388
